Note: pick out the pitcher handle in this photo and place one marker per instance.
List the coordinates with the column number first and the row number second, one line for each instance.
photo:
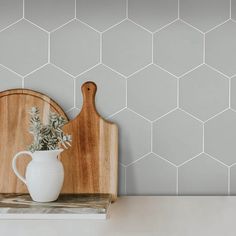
column 14, row 165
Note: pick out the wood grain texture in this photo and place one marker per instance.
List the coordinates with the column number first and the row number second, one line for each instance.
column 14, row 135
column 91, row 163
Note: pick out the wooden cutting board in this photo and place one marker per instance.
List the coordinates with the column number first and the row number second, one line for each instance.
column 14, row 135
column 91, row 163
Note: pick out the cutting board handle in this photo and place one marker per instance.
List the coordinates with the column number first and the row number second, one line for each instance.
column 89, row 91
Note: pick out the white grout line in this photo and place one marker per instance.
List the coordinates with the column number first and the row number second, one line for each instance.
column 190, row 159
column 75, row 76
column 115, row 71
column 191, row 70
column 164, row 159
column 216, row 115
column 229, row 169
column 23, row 8
column 161, row 68
column 71, row 109
column 142, row 157
column 174, row 109
column 232, row 109
column 147, row 30
column 9, row 69
column 222, row 23
column 38, row 68
column 127, row 9
column 139, row 115
column 232, row 165
column 75, row 8
column 14, row 23
column 230, row 8
column 194, row 117
column 216, row 70
column 61, row 26
column 137, row 71
column 178, row 8
column 89, row 26
column 185, row 22
column 165, row 26
column 233, row 20
column 112, row 115
column 217, row 160
column 39, row 27
column 118, row 23
column 59, row 68
column 232, row 76
column 122, row 164
column 90, row 68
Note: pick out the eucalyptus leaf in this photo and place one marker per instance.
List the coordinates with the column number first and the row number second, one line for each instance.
column 49, row 136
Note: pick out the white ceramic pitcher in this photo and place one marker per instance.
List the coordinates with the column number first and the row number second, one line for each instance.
column 44, row 174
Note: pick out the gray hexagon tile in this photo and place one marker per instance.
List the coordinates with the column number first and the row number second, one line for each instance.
column 101, row 14
column 49, row 14
column 127, row 48
column 233, row 180
column 151, row 175
column 60, row 88
column 10, row 12
column 233, row 93
column 111, row 90
column 75, row 47
column 152, row 92
column 177, row 137
column 9, row 80
column 23, row 47
column 220, row 136
column 220, row 48
column 203, row 176
column 204, row 14
column 153, row 14
column 122, row 182
column 178, row 48
column 204, row 92
column 134, row 136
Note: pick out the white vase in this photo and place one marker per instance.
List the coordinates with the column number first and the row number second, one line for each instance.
column 44, row 175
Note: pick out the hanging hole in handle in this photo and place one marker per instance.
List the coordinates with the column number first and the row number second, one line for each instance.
column 88, row 89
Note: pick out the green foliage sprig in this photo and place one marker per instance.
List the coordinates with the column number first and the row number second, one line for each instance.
column 47, row 136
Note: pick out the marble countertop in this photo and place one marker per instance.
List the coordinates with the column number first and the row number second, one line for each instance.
column 77, row 206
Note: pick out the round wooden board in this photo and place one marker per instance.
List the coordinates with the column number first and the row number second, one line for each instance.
column 14, row 135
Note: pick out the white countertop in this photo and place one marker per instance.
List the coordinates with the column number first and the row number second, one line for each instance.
column 142, row 216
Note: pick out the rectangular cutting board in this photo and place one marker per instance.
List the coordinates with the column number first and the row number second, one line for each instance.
column 93, row 156
column 14, row 135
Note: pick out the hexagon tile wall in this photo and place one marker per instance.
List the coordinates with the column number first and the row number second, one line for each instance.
column 166, row 73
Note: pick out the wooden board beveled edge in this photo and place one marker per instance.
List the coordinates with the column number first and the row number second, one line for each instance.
column 36, row 94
